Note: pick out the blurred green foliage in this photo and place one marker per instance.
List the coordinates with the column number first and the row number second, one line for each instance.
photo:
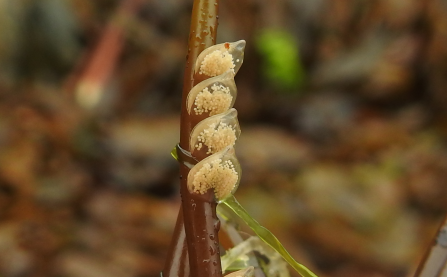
column 281, row 61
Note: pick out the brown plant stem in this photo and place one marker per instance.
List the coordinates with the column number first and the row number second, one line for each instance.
column 96, row 67
column 177, row 262
column 201, row 224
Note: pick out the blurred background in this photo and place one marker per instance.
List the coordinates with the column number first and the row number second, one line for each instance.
column 342, row 105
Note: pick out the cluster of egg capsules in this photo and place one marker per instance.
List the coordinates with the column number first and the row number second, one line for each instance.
column 214, row 136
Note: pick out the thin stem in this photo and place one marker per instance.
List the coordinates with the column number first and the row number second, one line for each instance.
column 201, row 224
column 96, row 68
column 177, row 262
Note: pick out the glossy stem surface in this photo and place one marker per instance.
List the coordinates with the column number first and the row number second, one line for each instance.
column 200, row 222
column 177, row 262
column 202, row 34
column 199, row 212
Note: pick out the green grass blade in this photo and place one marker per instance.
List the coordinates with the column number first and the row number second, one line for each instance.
column 267, row 236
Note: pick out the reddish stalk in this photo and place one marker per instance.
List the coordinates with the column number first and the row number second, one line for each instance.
column 200, row 222
column 177, row 261
column 97, row 67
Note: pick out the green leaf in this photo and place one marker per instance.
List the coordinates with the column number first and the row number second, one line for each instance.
column 280, row 56
column 174, row 153
column 265, row 235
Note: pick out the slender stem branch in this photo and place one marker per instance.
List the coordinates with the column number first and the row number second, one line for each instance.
column 200, row 222
column 97, row 66
column 177, row 262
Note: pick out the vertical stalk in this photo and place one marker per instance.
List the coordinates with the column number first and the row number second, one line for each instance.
column 200, row 222
column 96, row 68
column 177, row 262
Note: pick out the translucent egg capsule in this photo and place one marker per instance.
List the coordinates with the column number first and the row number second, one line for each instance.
column 246, row 272
column 220, row 171
column 214, row 95
column 219, row 58
column 215, row 133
